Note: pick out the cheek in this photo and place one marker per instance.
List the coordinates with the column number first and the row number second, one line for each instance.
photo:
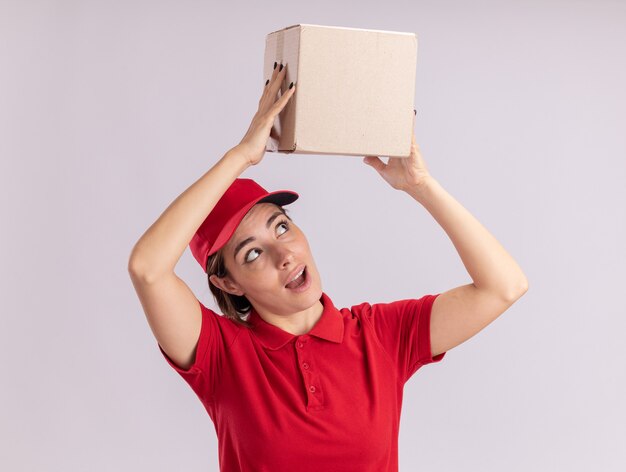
column 262, row 278
column 302, row 242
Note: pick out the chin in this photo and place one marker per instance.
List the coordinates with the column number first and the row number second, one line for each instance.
column 312, row 295
column 315, row 292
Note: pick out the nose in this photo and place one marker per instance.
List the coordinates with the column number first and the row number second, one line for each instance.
column 285, row 257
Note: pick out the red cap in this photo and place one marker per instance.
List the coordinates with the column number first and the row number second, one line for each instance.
column 223, row 220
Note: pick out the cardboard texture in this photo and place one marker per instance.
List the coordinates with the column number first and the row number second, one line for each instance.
column 355, row 90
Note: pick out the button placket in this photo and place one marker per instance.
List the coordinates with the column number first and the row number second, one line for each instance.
column 310, row 377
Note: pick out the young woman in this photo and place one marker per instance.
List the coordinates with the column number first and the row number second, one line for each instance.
column 289, row 380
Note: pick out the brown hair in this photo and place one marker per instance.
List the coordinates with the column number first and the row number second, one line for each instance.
column 234, row 307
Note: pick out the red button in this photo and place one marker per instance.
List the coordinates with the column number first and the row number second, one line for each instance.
column 300, row 344
column 312, row 389
column 305, row 365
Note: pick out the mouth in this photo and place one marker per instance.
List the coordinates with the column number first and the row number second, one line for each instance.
column 301, row 281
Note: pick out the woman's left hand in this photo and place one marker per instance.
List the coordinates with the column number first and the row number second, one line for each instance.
column 402, row 173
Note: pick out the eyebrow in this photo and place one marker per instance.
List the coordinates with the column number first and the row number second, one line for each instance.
column 251, row 238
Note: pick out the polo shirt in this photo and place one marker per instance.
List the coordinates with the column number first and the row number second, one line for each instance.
column 327, row 400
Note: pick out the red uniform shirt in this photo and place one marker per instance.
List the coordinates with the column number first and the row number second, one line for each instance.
column 327, row 400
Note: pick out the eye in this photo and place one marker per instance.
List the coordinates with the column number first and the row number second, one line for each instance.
column 248, row 253
column 281, row 223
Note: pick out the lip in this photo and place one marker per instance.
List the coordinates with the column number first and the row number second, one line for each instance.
column 293, row 274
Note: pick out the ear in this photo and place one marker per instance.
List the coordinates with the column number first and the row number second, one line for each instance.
column 226, row 284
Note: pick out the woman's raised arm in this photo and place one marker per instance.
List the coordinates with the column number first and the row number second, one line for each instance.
column 161, row 246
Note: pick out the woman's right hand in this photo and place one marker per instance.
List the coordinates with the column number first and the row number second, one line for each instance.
column 253, row 144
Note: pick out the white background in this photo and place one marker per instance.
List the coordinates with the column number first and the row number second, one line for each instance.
column 109, row 110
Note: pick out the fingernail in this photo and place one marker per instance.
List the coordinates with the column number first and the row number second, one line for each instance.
column 267, row 81
column 291, row 85
column 275, row 64
column 281, row 68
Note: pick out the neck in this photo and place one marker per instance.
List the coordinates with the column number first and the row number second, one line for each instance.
column 298, row 323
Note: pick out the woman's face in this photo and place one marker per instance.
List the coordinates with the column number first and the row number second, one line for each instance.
column 261, row 267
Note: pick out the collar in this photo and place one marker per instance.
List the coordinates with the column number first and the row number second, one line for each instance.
column 329, row 327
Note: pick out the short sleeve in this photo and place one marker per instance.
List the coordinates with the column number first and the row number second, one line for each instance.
column 201, row 374
column 403, row 329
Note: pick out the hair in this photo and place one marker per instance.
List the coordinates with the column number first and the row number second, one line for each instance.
column 234, row 307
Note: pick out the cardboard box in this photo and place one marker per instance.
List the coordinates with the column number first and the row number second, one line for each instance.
column 355, row 90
